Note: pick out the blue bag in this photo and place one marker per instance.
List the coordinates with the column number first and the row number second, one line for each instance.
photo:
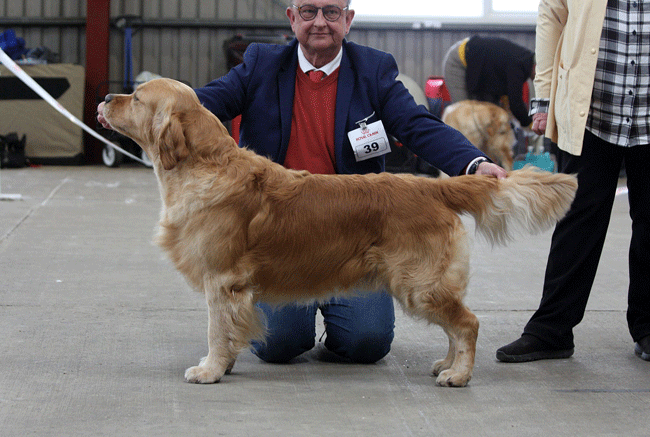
column 12, row 46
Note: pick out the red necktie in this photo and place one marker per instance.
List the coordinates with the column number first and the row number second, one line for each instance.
column 316, row 75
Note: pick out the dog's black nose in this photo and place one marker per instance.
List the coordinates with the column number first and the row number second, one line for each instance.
column 108, row 98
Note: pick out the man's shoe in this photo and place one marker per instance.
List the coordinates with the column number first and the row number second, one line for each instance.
column 530, row 348
column 642, row 348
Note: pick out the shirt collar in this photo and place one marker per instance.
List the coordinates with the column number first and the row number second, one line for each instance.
column 328, row 69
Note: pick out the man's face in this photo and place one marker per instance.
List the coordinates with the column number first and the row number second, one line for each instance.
column 320, row 36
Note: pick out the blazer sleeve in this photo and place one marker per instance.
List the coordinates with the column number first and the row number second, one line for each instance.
column 419, row 130
column 225, row 97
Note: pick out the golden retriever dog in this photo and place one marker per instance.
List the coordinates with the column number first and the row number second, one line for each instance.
column 486, row 125
column 243, row 229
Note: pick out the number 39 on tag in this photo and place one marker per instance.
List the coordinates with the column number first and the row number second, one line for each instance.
column 369, row 142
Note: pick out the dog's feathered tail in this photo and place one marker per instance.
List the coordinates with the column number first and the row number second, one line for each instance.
column 528, row 200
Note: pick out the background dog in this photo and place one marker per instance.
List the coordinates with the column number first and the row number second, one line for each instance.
column 243, row 229
column 486, row 125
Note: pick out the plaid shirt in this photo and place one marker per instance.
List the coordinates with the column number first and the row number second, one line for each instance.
column 620, row 111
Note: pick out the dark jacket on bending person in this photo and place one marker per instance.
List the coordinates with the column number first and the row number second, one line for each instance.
column 497, row 67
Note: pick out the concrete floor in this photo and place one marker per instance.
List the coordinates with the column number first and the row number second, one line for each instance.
column 97, row 330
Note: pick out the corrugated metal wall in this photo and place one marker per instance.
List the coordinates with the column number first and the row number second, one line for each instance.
column 58, row 25
column 184, row 39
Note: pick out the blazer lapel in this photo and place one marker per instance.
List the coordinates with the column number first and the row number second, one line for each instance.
column 286, row 92
column 344, row 90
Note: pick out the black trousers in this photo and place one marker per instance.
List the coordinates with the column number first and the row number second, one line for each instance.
column 578, row 240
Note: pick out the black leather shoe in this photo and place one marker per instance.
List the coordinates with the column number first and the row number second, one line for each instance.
column 642, row 348
column 530, row 348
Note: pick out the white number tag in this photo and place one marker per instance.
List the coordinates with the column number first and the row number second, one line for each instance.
column 369, row 141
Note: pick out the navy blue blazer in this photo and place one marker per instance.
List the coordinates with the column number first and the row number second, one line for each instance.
column 261, row 89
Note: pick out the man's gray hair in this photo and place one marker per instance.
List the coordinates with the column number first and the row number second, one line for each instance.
column 291, row 2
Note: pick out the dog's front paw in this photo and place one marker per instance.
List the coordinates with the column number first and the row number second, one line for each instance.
column 453, row 378
column 203, row 375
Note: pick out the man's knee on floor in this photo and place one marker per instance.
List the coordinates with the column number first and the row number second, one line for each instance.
column 280, row 351
column 366, row 348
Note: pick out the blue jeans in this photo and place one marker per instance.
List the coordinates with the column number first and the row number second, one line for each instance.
column 359, row 328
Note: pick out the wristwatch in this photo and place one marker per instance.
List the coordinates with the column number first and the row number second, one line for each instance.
column 472, row 168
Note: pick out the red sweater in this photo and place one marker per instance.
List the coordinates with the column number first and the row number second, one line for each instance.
column 311, row 145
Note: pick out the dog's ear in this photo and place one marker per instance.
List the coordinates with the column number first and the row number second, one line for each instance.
column 170, row 139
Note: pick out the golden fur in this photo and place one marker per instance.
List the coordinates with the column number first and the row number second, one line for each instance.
column 486, row 125
column 243, row 229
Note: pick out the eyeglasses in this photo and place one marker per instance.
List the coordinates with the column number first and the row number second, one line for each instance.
column 309, row 12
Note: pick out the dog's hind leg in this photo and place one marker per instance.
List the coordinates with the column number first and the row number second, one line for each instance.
column 459, row 323
column 432, row 288
column 448, row 361
column 461, row 326
column 232, row 322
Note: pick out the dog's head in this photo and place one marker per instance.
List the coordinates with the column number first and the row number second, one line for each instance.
column 154, row 116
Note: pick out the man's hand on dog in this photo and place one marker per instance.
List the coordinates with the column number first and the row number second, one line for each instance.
column 488, row 168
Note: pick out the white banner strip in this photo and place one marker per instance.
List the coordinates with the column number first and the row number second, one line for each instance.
column 20, row 73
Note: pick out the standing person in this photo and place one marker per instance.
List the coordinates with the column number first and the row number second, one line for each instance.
column 592, row 82
column 304, row 105
column 485, row 69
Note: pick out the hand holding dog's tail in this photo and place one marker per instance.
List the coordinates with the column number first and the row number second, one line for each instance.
column 527, row 200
